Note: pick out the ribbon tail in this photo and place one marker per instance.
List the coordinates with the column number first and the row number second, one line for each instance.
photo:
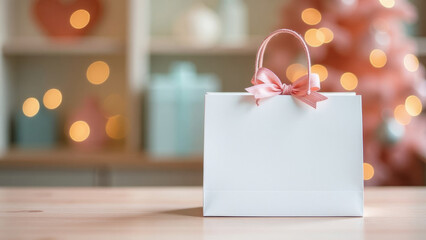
column 312, row 99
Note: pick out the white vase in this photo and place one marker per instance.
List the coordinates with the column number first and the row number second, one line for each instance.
column 199, row 26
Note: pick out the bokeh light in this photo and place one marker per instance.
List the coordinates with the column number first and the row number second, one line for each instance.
column 98, row 72
column 378, row 58
column 79, row 19
column 311, row 16
column 411, row 62
column 116, row 127
column 328, row 34
column 79, row 131
column 295, row 71
column 314, row 37
column 387, row 3
column 321, row 71
column 30, row 107
column 52, row 98
column 368, row 171
column 349, row 81
column 413, row 105
column 401, row 115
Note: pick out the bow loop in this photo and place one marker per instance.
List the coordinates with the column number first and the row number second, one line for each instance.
column 302, row 86
column 265, row 75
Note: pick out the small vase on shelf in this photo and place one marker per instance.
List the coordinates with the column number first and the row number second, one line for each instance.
column 86, row 126
column 234, row 18
column 198, row 27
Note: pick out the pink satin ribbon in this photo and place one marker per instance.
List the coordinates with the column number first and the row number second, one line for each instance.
column 267, row 84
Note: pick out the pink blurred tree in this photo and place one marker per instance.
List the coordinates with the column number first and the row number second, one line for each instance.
column 361, row 46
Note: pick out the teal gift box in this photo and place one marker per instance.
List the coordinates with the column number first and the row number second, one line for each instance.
column 38, row 131
column 176, row 110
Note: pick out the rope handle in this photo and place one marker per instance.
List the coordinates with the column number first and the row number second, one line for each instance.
column 262, row 48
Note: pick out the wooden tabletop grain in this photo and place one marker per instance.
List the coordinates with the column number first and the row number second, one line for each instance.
column 176, row 213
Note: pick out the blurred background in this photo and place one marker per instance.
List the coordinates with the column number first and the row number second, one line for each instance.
column 111, row 93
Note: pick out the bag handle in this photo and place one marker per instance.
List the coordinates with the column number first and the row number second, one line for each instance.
column 262, row 48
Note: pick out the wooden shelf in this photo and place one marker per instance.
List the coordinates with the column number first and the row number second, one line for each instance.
column 45, row 46
column 165, row 46
column 76, row 159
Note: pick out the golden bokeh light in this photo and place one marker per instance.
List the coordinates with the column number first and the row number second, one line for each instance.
column 413, row 105
column 368, row 171
column 387, row 3
column 401, row 115
column 295, row 71
column 79, row 131
column 411, row 62
column 30, row 107
column 328, row 34
column 320, row 70
column 52, row 98
column 79, row 19
column 349, row 81
column 116, row 127
column 311, row 16
column 314, row 37
column 98, row 72
column 378, row 58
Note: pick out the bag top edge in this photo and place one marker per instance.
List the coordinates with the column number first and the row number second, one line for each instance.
column 245, row 93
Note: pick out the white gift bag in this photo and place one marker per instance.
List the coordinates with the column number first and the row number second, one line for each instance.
column 286, row 156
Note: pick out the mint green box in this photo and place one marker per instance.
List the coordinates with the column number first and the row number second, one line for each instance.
column 39, row 131
column 176, row 110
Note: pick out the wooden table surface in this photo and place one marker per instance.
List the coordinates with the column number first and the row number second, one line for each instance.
column 176, row 213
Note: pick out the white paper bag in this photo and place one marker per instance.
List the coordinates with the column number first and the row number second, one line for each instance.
column 283, row 157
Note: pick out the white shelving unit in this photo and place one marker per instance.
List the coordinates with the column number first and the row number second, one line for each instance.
column 128, row 38
column 118, row 38
column 25, row 48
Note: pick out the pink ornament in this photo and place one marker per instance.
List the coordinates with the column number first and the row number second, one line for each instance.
column 55, row 16
column 86, row 126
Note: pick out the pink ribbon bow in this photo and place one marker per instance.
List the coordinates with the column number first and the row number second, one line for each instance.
column 267, row 84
